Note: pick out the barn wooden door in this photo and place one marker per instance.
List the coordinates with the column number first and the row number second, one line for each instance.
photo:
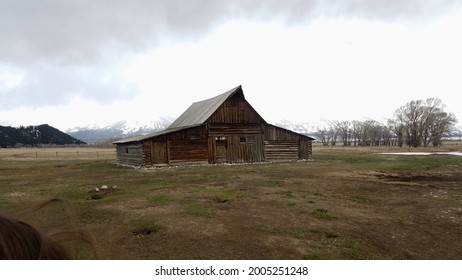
column 159, row 153
column 221, row 147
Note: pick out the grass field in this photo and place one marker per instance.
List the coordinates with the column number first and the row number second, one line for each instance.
column 349, row 203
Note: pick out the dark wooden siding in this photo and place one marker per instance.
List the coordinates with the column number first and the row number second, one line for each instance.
column 227, row 136
column 183, row 146
column 198, row 132
column 283, row 144
column 187, row 151
column 236, row 110
column 155, row 153
column 245, row 152
column 274, row 133
column 217, row 143
column 130, row 154
column 281, row 150
column 234, row 129
column 305, row 149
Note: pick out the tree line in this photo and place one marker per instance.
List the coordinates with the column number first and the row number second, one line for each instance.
column 415, row 124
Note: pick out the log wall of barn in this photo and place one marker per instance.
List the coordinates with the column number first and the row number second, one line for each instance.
column 187, row 151
column 281, row 150
column 234, row 130
column 305, row 149
column 282, row 144
column 155, row 152
column 184, row 146
column 130, row 154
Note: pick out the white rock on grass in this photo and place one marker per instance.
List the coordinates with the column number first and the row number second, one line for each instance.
column 104, row 187
column 96, row 189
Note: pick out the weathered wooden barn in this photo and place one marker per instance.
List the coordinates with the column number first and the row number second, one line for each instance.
column 222, row 129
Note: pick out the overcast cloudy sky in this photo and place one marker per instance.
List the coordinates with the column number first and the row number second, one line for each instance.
column 77, row 62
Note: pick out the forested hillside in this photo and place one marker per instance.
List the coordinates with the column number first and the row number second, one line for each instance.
column 34, row 136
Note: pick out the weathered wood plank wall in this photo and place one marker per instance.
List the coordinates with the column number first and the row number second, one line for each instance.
column 187, row 151
column 305, row 149
column 235, row 110
column 281, row 150
column 282, row 144
column 245, row 152
column 130, row 154
column 234, row 130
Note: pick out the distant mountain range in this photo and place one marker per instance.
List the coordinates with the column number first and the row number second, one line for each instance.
column 45, row 134
column 118, row 130
column 34, row 135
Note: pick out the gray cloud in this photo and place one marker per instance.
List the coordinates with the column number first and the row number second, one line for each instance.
column 52, row 40
column 82, row 31
column 79, row 31
column 50, row 85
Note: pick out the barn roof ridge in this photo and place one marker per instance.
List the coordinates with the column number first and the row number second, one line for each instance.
column 200, row 111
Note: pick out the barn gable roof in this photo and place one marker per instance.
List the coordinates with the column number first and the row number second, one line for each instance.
column 199, row 112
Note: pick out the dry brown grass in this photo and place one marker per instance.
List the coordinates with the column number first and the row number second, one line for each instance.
column 448, row 146
column 71, row 153
column 346, row 204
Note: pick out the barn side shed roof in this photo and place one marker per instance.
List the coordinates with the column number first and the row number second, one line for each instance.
column 290, row 131
column 151, row 135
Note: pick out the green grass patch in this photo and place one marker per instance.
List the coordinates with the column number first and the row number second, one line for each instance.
column 221, row 194
column 331, row 234
column 92, row 215
column 321, row 213
column 161, row 198
column 299, row 234
column 196, row 209
column 143, row 227
column 361, row 198
column 272, row 229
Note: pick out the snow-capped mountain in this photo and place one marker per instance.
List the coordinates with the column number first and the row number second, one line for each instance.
column 307, row 128
column 117, row 130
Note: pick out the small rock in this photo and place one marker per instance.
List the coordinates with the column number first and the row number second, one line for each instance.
column 96, row 189
column 114, row 187
column 104, row 187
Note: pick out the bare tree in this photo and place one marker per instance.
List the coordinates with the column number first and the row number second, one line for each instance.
column 343, row 129
column 356, row 127
column 422, row 122
column 324, row 135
